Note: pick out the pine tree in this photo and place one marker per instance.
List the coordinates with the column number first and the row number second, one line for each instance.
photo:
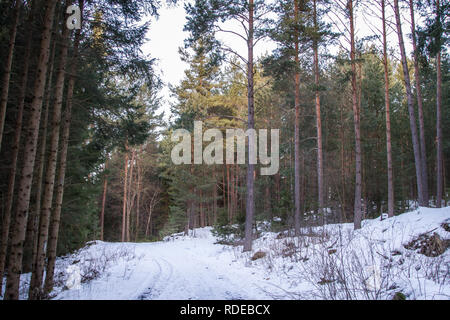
column 16, row 145
column 7, row 67
column 388, row 117
column 23, row 201
column 49, row 181
column 412, row 116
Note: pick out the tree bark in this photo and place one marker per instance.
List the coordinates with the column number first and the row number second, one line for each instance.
column 236, row 189
column 215, row 198
column 138, row 198
column 250, row 203
column 47, row 199
column 423, row 150
column 23, row 200
column 7, row 68
column 125, row 192
column 412, row 116
column 15, row 149
column 228, row 195
column 130, row 195
column 343, row 205
column 202, row 212
column 102, row 213
column 33, row 220
column 318, row 115
column 297, row 213
column 439, row 151
column 56, row 217
column 388, row 117
column 358, row 178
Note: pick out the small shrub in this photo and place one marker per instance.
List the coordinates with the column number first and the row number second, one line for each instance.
column 258, row 255
column 399, row 296
column 430, row 246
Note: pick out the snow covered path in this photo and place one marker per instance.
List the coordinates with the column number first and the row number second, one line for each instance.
column 195, row 268
column 187, row 268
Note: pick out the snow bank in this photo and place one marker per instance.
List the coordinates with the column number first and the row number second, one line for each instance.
column 330, row 262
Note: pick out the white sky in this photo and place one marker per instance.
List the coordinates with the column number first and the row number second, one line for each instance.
column 166, row 36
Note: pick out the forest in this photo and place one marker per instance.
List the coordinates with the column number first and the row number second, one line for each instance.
column 85, row 148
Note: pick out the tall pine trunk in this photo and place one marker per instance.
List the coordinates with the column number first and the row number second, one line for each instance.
column 439, row 151
column 320, row 176
column 388, row 117
column 15, row 150
column 31, row 135
column 409, row 96
column 33, row 219
column 49, row 182
column 423, row 149
column 358, row 178
column 130, row 195
column 125, row 192
column 297, row 213
column 138, row 191
column 250, row 203
column 56, row 216
column 228, row 195
column 7, row 67
column 102, row 213
column 215, row 197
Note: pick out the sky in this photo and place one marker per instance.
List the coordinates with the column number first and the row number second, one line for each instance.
column 166, row 35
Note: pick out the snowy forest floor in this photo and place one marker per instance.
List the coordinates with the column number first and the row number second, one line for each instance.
column 402, row 257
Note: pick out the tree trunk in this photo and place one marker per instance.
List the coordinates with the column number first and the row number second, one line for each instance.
column 131, row 195
column 15, row 150
column 440, row 162
column 138, row 199
column 228, row 195
column 318, row 115
column 388, row 117
column 125, row 192
column 233, row 191
column 412, row 116
column 202, row 212
column 297, row 129
column 278, row 187
column 38, row 272
column 236, row 188
column 147, row 228
column 7, row 67
column 102, row 213
column 267, row 204
column 357, row 207
column 343, row 206
column 423, row 150
column 33, row 220
column 23, row 200
column 56, row 217
column 215, row 198
column 250, row 203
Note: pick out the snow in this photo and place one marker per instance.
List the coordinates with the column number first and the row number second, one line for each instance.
column 184, row 268
column 330, row 262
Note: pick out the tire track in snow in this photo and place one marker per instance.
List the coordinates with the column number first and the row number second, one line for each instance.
column 192, row 280
column 158, row 283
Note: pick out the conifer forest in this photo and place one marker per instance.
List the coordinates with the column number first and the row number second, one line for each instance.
column 300, row 151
